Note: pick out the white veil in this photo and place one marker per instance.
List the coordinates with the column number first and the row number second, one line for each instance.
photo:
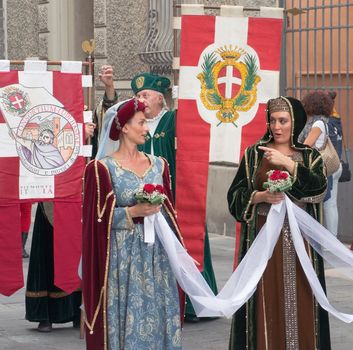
column 106, row 145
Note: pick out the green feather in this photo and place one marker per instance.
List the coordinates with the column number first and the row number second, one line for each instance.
column 207, row 66
column 250, row 62
column 214, row 98
column 240, row 100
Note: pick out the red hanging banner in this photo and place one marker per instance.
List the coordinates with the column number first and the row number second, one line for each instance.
column 229, row 68
column 41, row 159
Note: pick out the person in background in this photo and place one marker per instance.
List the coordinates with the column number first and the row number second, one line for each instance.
column 282, row 313
column 318, row 106
column 335, row 134
column 160, row 141
column 45, row 303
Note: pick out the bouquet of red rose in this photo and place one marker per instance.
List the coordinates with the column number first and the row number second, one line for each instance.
column 150, row 193
column 278, row 181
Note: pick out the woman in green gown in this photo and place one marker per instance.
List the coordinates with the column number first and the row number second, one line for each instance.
column 282, row 313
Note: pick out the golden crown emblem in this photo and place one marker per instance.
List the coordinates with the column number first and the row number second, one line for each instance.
column 230, row 52
column 140, row 82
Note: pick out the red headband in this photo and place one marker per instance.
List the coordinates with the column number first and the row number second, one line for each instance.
column 123, row 115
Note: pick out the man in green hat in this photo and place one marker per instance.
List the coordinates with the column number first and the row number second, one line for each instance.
column 160, row 141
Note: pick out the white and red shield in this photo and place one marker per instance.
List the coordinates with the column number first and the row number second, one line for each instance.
column 229, row 81
column 17, row 101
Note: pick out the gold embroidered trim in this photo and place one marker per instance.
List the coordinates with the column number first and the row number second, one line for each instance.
column 247, row 167
column 91, row 325
column 106, row 276
column 45, row 293
column 264, row 308
column 314, row 199
column 131, row 171
column 164, row 161
column 101, row 211
column 295, row 173
column 290, row 292
column 255, row 168
column 248, row 206
column 315, row 161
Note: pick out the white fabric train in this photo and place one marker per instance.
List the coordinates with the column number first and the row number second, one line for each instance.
column 242, row 283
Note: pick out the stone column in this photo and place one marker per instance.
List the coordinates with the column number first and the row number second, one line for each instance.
column 22, row 29
column 119, row 27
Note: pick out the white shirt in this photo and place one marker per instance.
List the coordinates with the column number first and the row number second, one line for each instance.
column 322, row 137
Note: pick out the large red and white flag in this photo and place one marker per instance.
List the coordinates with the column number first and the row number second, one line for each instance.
column 229, row 68
column 41, row 159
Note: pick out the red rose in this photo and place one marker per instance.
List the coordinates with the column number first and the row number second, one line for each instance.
column 159, row 188
column 275, row 175
column 284, row 176
column 149, row 188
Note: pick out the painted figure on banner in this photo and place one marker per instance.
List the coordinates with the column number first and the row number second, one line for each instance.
column 282, row 313
column 47, row 136
column 42, row 153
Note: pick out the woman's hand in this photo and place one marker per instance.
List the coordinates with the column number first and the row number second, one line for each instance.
column 144, row 209
column 277, row 158
column 267, row 197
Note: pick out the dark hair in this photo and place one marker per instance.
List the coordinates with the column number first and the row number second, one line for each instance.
column 318, row 103
column 332, row 94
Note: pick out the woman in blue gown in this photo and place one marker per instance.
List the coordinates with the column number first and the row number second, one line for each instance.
column 131, row 296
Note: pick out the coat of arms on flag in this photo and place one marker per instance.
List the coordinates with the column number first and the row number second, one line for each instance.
column 229, row 69
column 42, row 150
column 47, row 136
column 229, row 85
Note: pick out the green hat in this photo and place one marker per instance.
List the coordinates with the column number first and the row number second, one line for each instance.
column 148, row 81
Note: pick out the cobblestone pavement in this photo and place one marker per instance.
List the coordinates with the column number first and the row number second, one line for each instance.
column 16, row 333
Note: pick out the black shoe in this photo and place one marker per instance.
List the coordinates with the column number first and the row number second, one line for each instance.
column 44, row 327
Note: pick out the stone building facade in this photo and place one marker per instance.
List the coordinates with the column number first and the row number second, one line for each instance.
column 55, row 29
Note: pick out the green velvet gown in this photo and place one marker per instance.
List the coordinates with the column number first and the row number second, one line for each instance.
column 44, row 301
column 164, row 146
column 283, row 313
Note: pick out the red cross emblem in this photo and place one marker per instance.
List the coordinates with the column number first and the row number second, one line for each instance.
column 17, row 101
